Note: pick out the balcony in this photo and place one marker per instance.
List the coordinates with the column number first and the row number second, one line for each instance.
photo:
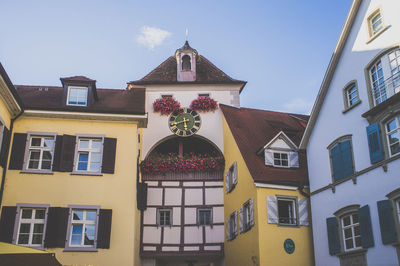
column 385, row 89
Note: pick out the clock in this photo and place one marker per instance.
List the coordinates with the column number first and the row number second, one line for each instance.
column 184, row 122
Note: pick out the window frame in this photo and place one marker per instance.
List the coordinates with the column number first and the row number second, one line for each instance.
column 396, row 118
column 79, row 88
column 68, row 246
column 231, row 172
column 347, row 105
column 281, row 159
column 190, row 62
column 295, row 210
column 246, row 216
column 351, row 226
column 17, row 223
column 158, row 216
column 233, row 224
column 205, row 94
column 198, row 216
column 41, row 135
column 394, row 198
column 334, row 144
column 75, row 170
column 372, row 33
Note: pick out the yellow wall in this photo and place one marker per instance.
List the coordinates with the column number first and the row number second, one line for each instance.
column 243, row 250
column 6, row 118
column 111, row 191
column 273, row 236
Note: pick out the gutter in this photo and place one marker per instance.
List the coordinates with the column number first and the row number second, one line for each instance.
column 3, row 177
column 305, row 194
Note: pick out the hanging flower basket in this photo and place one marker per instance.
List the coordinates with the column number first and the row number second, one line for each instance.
column 204, row 104
column 166, row 105
column 172, row 163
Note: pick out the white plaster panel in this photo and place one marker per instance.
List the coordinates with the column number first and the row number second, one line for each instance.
column 215, row 234
column 191, row 248
column 214, row 195
column 212, row 247
column 173, row 196
column 192, row 184
column 172, row 235
column 280, row 144
column 194, row 235
column 150, row 216
column 194, row 196
column 214, row 183
column 170, row 184
column 151, row 235
column 154, row 196
column 149, row 248
column 218, row 214
column 176, row 216
column 190, row 215
column 152, row 183
column 170, row 249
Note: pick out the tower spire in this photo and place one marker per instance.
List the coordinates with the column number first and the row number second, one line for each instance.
column 187, row 33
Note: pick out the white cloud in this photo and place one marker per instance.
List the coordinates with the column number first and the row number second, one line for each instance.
column 299, row 105
column 152, row 37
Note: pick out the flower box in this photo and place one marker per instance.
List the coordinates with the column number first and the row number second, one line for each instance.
column 204, row 104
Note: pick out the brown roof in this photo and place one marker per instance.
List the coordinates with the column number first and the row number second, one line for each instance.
column 78, row 78
column 206, row 73
column 109, row 100
column 253, row 129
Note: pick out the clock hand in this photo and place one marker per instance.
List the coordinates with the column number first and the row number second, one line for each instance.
column 176, row 123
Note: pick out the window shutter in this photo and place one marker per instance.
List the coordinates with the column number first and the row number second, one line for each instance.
column 336, row 160
column 269, row 157
column 228, row 228
column 7, row 221
column 5, row 145
column 303, row 212
column 333, row 235
column 104, row 229
column 293, row 159
column 272, row 210
column 18, row 151
column 386, row 222
column 227, row 182
column 241, row 226
column 56, row 229
column 347, row 158
column 141, row 196
column 367, row 237
column 235, row 173
column 374, row 143
column 57, row 153
column 109, row 152
column 67, row 153
column 251, row 208
column 235, row 230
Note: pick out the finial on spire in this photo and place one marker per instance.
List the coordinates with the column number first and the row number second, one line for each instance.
column 187, row 33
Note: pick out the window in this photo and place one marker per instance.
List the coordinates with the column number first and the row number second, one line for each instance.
column 31, row 226
column 83, row 228
column 204, row 216
column 77, row 96
column 40, row 152
column 246, row 216
column 281, row 159
column 231, row 226
column 351, row 231
column 393, row 133
column 166, row 96
column 204, row 95
column 375, row 23
column 341, row 156
column 186, row 65
column 89, row 154
column 350, row 95
column 164, row 217
column 231, row 178
column 287, row 211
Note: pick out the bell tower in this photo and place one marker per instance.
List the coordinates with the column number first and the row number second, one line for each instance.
column 186, row 63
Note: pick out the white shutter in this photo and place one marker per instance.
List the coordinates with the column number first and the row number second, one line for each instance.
column 235, row 223
column 303, row 212
column 227, row 182
column 235, row 173
column 228, row 228
column 251, row 209
column 293, row 159
column 272, row 210
column 269, row 157
column 241, row 225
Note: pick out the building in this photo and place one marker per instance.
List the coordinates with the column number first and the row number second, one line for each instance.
column 68, row 188
column 266, row 189
column 182, row 222
column 352, row 142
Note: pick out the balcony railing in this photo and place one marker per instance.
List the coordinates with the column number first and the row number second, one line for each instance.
column 386, row 89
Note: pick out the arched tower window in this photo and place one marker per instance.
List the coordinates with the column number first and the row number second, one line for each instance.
column 186, row 65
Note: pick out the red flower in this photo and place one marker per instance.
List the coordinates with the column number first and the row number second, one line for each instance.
column 166, row 105
column 204, row 103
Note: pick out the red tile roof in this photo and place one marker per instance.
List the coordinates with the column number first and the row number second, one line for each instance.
column 252, row 129
column 109, row 100
column 206, row 73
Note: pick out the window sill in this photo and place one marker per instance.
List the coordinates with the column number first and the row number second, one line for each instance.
column 352, row 252
column 373, row 37
column 42, row 172
column 80, row 249
column 289, row 225
column 351, row 107
column 87, row 173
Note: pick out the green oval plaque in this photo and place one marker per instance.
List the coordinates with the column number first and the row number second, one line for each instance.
column 288, row 245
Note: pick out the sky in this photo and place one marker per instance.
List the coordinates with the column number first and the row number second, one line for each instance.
column 281, row 48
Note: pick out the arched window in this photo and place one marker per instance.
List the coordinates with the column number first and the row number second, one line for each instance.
column 186, row 65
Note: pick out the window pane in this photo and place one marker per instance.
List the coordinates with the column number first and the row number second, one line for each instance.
column 38, row 228
column 26, row 213
column 25, row 228
column 348, row 233
column 91, row 215
column 95, row 167
column 284, row 156
column 39, row 214
column 96, row 144
column 23, row 239
column 77, row 229
column 35, row 155
column 35, row 142
column 84, row 143
column 89, row 234
column 33, row 165
column 37, row 239
column 358, row 241
column 48, row 143
column 82, row 166
column 394, row 149
column 391, row 125
column 277, row 155
column 46, row 165
column 285, row 163
column 349, row 243
column 76, row 240
column 95, row 157
column 47, row 155
column 393, row 138
column 355, row 218
column 346, row 220
column 78, row 215
column 83, row 157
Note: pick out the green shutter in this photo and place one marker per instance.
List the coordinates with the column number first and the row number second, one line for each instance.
column 333, row 235
column 374, row 143
column 347, row 158
column 336, row 160
column 364, row 217
column 386, row 222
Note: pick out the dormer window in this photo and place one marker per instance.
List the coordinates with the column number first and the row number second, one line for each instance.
column 281, row 159
column 186, row 64
column 77, row 96
column 281, row 152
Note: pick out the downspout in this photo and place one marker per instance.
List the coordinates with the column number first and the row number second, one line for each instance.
column 305, row 194
column 3, row 177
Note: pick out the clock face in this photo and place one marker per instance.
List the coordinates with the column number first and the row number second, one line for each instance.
column 184, row 122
